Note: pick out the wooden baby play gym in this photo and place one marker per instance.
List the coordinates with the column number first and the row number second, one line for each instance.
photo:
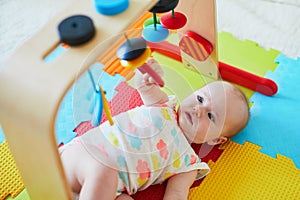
column 33, row 89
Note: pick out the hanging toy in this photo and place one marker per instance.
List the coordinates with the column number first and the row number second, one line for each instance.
column 157, row 32
column 173, row 20
column 164, row 6
column 106, row 107
column 134, row 53
column 99, row 103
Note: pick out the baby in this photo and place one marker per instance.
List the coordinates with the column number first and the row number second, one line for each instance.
column 150, row 144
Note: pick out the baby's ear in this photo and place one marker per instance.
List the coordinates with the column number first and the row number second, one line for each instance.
column 220, row 140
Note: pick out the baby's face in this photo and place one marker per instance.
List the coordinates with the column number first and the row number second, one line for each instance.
column 210, row 111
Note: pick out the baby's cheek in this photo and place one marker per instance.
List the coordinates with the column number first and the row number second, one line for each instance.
column 192, row 134
column 197, row 138
column 201, row 134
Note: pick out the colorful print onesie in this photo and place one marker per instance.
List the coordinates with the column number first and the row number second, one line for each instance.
column 145, row 145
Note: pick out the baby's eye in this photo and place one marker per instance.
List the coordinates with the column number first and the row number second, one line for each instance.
column 200, row 99
column 211, row 116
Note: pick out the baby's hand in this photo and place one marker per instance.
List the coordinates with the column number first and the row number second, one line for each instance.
column 148, row 82
column 147, row 79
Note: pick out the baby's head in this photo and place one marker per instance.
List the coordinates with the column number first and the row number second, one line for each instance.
column 213, row 113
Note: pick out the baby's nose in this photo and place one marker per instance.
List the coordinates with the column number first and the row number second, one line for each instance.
column 199, row 110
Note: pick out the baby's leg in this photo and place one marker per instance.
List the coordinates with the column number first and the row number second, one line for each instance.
column 90, row 178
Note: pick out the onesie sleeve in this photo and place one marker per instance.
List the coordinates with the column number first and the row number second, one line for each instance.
column 201, row 167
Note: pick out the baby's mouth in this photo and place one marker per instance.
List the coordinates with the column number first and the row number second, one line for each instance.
column 189, row 117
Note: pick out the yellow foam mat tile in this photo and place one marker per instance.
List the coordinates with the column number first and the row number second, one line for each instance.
column 241, row 172
column 10, row 180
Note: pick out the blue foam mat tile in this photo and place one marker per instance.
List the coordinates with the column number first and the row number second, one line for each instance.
column 76, row 105
column 274, row 121
column 2, row 137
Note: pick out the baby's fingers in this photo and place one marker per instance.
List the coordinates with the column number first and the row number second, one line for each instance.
column 151, row 80
column 147, row 79
column 155, row 66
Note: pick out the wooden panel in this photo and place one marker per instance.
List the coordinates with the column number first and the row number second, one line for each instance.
column 201, row 19
column 31, row 91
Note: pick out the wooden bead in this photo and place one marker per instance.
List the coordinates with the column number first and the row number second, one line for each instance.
column 173, row 22
column 150, row 21
column 155, row 35
column 164, row 6
column 138, row 61
column 111, row 7
column 131, row 49
column 76, row 30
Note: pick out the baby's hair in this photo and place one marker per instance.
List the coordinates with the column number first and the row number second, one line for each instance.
column 240, row 93
column 237, row 91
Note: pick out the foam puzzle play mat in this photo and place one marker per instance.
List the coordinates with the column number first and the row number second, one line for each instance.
column 77, row 72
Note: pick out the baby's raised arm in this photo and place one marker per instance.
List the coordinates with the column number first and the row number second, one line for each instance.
column 150, row 92
column 179, row 185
